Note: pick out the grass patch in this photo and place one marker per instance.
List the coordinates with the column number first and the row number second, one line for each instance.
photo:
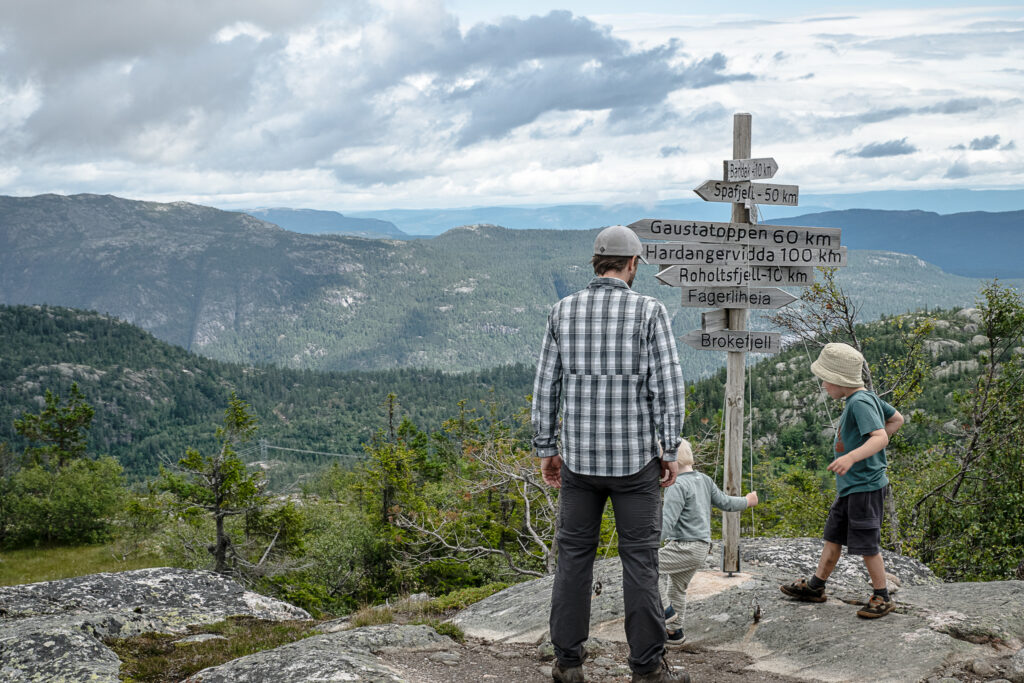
column 30, row 565
column 444, row 628
column 462, row 598
column 372, row 616
column 154, row 658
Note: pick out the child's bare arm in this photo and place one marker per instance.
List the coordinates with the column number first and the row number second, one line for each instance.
column 893, row 424
column 877, row 440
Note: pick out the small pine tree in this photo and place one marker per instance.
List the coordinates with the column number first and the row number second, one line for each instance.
column 61, row 428
column 219, row 484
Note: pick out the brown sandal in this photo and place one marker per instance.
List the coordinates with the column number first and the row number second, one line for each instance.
column 876, row 607
column 801, row 591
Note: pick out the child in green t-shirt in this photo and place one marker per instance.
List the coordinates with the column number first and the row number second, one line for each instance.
column 855, row 518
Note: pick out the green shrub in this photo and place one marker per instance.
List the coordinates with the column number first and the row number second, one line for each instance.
column 444, row 628
column 462, row 598
column 73, row 505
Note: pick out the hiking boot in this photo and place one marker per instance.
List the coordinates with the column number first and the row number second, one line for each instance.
column 876, row 607
column 663, row 674
column 569, row 674
column 670, row 613
column 675, row 638
column 801, row 591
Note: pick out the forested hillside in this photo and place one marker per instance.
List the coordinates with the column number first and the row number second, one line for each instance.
column 791, row 415
column 234, row 288
column 154, row 400
column 436, row 509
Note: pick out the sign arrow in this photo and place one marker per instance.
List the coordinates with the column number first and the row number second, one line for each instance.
column 736, row 297
column 720, row 254
column 748, row 193
column 734, row 340
column 750, row 169
column 735, row 276
column 681, row 230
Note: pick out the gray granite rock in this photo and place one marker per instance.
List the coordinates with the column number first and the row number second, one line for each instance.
column 53, row 630
column 198, row 638
column 60, row 653
column 1015, row 667
column 934, row 623
column 342, row 656
column 143, row 590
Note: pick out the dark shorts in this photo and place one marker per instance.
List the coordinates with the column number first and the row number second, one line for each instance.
column 855, row 520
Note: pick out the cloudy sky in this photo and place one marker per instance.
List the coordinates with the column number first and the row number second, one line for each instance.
column 374, row 104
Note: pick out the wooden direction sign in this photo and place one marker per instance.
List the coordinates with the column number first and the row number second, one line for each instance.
column 735, row 233
column 748, row 193
column 750, row 169
column 735, row 276
column 714, row 321
column 715, row 254
column 734, row 340
column 736, row 297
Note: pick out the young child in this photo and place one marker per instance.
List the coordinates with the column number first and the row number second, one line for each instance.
column 686, row 526
column 855, row 518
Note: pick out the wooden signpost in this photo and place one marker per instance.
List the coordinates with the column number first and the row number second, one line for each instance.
column 713, row 321
column 730, row 255
column 750, row 169
column 734, row 340
column 708, row 232
column 732, row 276
column 736, row 297
column 727, row 266
column 748, row 193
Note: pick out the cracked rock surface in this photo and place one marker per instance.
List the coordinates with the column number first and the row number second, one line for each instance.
column 956, row 631
column 52, row 631
column 340, row 656
column 934, row 626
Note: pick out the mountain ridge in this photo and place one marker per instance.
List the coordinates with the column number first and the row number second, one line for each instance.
column 235, row 288
column 315, row 222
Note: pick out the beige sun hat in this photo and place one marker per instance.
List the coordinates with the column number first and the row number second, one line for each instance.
column 840, row 364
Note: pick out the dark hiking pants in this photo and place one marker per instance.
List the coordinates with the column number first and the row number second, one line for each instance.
column 636, row 500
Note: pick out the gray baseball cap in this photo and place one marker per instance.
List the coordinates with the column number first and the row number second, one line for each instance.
column 618, row 240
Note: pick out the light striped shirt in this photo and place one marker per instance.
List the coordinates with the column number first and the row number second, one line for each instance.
column 609, row 362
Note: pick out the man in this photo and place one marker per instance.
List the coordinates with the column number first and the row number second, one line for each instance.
column 609, row 362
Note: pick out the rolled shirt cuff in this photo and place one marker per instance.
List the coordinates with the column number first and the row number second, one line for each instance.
column 670, row 452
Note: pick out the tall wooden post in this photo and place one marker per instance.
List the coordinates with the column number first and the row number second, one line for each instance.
column 734, row 382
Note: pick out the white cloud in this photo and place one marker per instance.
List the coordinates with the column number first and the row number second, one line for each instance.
column 374, row 104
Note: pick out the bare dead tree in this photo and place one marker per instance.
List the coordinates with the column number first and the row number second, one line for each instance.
column 527, row 513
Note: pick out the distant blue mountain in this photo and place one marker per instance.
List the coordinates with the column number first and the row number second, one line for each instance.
column 975, row 244
column 429, row 222
column 313, row 222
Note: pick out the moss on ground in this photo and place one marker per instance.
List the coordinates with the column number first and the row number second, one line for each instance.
column 154, row 657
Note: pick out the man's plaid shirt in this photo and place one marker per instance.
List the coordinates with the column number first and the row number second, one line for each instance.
column 609, row 361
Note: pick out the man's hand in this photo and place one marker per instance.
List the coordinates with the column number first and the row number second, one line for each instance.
column 669, row 472
column 551, row 471
column 842, row 464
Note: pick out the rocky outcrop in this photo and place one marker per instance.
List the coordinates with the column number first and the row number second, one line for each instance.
column 741, row 623
column 934, row 624
column 341, row 656
column 53, row 631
